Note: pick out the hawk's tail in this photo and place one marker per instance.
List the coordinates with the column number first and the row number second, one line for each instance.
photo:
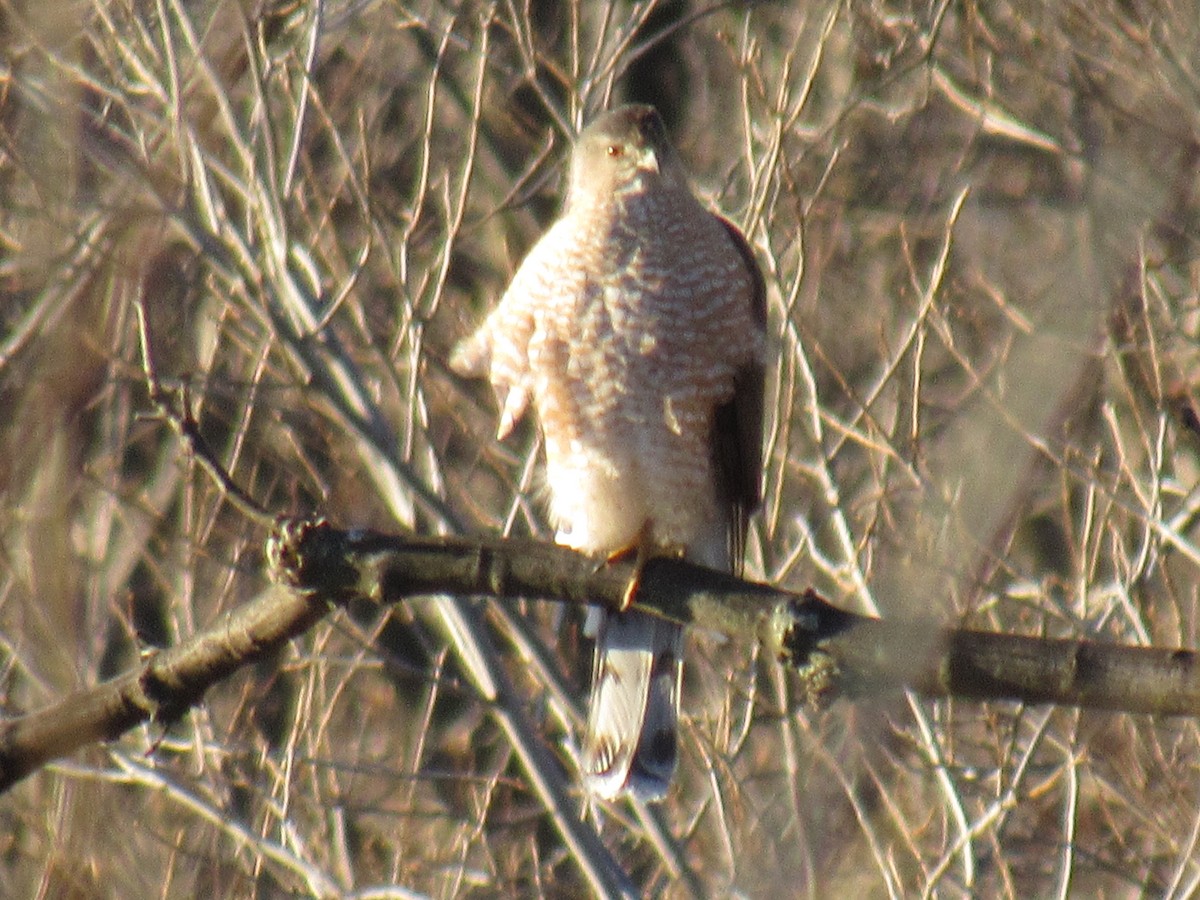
column 631, row 742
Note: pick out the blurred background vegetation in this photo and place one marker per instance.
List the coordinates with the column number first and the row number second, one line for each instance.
column 978, row 224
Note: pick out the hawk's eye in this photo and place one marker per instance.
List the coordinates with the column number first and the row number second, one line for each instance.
column 614, row 150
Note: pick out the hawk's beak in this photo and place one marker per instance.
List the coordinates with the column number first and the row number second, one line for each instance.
column 647, row 160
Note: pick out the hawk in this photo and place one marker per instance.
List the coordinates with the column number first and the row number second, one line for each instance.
column 636, row 326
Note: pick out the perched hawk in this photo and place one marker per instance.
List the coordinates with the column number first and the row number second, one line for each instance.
column 636, row 326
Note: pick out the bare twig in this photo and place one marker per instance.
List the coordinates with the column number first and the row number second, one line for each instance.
column 184, row 424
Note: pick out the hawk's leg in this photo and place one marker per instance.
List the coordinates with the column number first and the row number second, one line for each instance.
column 642, row 549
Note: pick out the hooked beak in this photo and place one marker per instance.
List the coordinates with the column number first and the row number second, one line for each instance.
column 647, row 160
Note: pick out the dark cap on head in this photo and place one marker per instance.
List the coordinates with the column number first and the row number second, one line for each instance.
column 634, row 122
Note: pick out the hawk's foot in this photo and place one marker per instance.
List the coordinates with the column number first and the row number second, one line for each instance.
column 642, row 549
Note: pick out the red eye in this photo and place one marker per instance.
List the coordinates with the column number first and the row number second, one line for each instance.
column 615, row 150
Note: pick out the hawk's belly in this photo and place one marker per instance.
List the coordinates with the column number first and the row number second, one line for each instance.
column 637, row 463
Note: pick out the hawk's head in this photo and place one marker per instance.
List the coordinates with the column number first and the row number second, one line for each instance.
column 624, row 150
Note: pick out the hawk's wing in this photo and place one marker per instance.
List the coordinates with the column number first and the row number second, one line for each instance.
column 738, row 424
column 499, row 349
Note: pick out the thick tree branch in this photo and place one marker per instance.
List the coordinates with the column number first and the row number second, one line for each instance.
column 317, row 567
column 163, row 687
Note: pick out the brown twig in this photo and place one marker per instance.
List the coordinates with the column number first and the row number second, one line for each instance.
column 183, row 422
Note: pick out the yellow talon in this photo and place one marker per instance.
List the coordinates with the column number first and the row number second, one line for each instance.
column 639, row 548
column 643, row 550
